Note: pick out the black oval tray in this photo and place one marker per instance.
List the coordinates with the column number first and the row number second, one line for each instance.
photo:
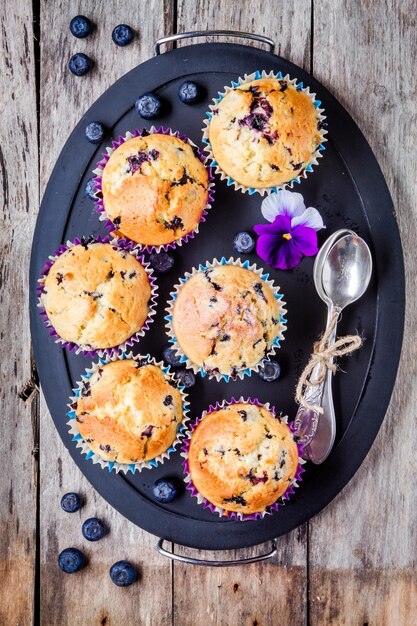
column 349, row 190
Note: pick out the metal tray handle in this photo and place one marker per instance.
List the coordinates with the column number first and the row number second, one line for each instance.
column 191, row 561
column 210, row 33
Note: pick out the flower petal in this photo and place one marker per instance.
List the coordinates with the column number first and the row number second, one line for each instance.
column 305, row 240
column 278, row 252
column 311, row 218
column 282, row 202
column 281, row 224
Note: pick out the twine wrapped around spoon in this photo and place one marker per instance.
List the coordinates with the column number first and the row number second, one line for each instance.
column 322, row 355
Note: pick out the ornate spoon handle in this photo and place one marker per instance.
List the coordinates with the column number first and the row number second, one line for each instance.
column 307, row 421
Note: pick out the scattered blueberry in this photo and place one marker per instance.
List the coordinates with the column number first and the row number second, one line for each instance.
column 189, row 92
column 80, row 64
column 94, row 132
column 269, row 370
column 70, row 502
column 81, row 26
column 90, row 189
column 148, row 106
column 123, row 573
column 122, row 35
column 171, row 358
column 161, row 261
column 165, row 490
column 243, row 243
column 71, row 560
column 93, row 529
column 185, row 378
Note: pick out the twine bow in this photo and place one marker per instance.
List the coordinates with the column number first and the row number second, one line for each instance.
column 323, row 356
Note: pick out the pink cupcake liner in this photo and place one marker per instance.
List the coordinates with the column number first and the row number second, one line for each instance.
column 233, row 515
column 100, row 209
column 85, row 350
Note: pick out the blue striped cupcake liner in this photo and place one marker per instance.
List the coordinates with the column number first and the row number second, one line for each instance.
column 233, row 515
column 85, row 449
column 86, row 350
column 97, row 184
column 308, row 168
column 197, row 369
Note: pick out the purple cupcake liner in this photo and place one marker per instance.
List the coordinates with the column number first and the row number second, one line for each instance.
column 97, row 185
column 233, row 515
column 122, row 244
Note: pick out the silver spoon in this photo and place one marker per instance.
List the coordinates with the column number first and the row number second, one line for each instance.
column 341, row 276
column 306, row 421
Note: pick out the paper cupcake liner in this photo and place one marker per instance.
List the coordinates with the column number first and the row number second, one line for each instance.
column 233, row 515
column 100, row 209
column 265, row 190
column 85, row 350
column 170, row 309
column 113, row 465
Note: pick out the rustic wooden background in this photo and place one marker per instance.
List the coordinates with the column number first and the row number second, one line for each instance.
column 354, row 564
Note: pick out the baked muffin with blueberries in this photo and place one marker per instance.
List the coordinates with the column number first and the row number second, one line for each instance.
column 242, row 458
column 225, row 319
column 155, row 189
column 96, row 295
column 129, row 412
column 264, row 133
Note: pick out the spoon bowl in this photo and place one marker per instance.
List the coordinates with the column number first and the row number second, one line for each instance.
column 346, row 270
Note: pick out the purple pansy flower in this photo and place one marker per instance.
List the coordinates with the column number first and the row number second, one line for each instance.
column 292, row 233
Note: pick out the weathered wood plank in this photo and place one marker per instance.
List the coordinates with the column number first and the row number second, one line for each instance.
column 287, row 23
column 363, row 546
column 249, row 595
column 18, row 201
column 90, row 597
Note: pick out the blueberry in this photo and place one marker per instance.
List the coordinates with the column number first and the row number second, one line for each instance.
column 80, row 64
column 70, row 502
column 269, row 370
column 71, row 560
column 94, row 132
column 243, row 243
column 93, row 529
column 189, row 92
column 90, row 189
column 148, row 106
column 122, row 35
column 161, row 261
column 165, row 490
column 123, row 573
column 185, row 378
column 81, row 26
column 171, row 358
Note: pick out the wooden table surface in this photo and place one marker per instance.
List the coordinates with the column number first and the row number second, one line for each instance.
column 354, row 563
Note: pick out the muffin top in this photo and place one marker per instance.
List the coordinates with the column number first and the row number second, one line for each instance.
column 264, row 133
column 96, row 295
column 242, row 458
column 154, row 189
column 129, row 412
column 225, row 319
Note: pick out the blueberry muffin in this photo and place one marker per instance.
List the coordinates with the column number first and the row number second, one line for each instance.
column 96, row 295
column 264, row 133
column 242, row 458
column 129, row 412
column 225, row 319
column 155, row 189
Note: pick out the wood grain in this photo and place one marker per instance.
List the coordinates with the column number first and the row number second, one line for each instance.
column 90, row 597
column 19, row 200
column 363, row 547
column 355, row 563
column 249, row 595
